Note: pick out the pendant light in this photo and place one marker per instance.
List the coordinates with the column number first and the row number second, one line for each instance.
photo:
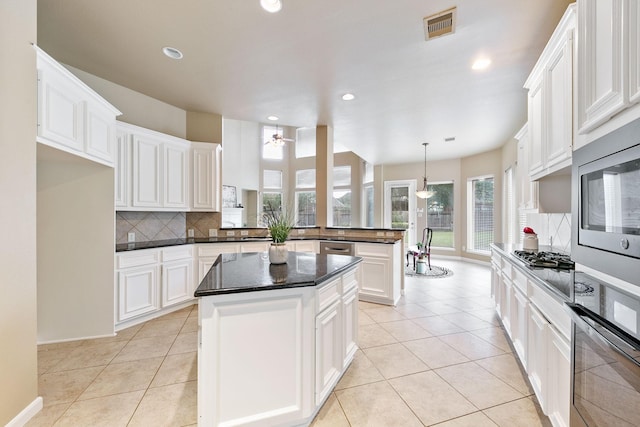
column 424, row 193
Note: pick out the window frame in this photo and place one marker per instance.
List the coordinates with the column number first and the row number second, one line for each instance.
column 470, row 214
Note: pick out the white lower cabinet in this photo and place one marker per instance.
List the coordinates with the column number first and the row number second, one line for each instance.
column 137, row 292
column 329, row 360
column 151, row 282
column 380, row 272
column 539, row 329
column 207, row 254
column 537, row 357
column 350, row 324
column 292, row 361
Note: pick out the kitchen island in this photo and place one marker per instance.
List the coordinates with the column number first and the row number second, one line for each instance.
column 274, row 339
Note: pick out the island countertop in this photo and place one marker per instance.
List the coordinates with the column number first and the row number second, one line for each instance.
column 249, row 272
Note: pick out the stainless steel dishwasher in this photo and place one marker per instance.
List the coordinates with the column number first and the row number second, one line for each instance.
column 337, row 248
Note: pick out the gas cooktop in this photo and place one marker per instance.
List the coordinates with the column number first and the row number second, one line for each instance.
column 546, row 259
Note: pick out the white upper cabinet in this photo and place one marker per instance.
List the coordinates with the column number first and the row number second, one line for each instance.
column 122, row 169
column 526, row 188
column 159, row 172
column 147, row 172
column 602, row 82
column 71, row 116
column 176, row 176
column 634, row 51
column 205, row 172
column 550, row 102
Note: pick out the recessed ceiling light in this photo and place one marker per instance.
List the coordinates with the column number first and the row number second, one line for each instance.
column 348, row 97
column 172, row 52
column 481, row 64
column 273, row 118
column 272, row 6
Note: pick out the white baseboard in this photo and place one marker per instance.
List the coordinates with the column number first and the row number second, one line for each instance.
column 77, row 339
column 26, row 414
column 145, row 318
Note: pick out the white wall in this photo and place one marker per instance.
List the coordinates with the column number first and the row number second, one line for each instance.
column 18, row 361
column 241, row 155
column 76, row 241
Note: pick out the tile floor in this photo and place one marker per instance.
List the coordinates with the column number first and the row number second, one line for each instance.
column 439, row 358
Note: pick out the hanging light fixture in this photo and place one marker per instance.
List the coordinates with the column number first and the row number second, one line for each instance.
column 425, row 193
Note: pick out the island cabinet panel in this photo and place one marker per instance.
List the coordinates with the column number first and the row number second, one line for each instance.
column 329, row 359
column 380, row 272
column 256, row 355
column 272, row 357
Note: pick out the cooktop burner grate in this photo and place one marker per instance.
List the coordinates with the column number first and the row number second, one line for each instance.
column 546, row 259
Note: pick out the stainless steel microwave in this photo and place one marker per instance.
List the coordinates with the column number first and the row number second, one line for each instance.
column 606, row 204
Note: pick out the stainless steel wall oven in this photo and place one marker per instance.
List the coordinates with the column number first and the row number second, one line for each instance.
column 606, row 355
column 606, row 204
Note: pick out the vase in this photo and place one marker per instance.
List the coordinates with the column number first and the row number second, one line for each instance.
column 278, row 253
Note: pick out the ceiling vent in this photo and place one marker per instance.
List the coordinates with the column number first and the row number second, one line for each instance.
column 440, row 24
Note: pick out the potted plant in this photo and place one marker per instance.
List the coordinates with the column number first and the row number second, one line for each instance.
column 279, row 225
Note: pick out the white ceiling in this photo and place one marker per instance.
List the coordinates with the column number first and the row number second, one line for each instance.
column 247, row 64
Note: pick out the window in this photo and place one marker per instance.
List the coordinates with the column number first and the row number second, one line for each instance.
column 272, row 191
column 269, row 151
column 305, row 208
column 367, row 195
column 440, row 214
column 342, row 196
column 305, row 197
column 480, row 214
column 509, row 208
column 305, row 142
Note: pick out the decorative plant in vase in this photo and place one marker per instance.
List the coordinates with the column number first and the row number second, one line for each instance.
column 279, row 224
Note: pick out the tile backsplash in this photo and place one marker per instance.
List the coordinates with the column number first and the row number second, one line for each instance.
column 553, row 230
column 150, row 225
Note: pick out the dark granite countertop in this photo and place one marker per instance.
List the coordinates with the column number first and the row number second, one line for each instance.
column 124, row 247
column 250, row 272
column 559, row 283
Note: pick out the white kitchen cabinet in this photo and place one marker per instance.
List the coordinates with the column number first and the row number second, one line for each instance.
column 147, row 172
column 176, row 175
column 634, row 51
column 152, row 282
column 303, row 246
column 246, row 247
column 122, row 168
column 207, row 254
column 536, row 126
column 157, row 174
column 177, row 275
column 519, row 323
column 380, row 273
column 349, row 318
column 329, row 357
column 540, row 330
column 550, row 104
column 297, row 343
column 205, row 173
column 527, row 189
column 71, row 116
column 559, row 371
column 164, row 173
column 137, row 292
column 537, row 357
column 602, row 91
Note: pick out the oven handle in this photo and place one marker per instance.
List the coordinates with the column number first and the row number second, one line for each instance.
column 606, row 332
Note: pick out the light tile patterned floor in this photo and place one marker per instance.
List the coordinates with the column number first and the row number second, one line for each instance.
column 439, row 358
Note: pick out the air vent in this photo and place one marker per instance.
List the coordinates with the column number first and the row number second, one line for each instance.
column 450, row 139
column 440, row 24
